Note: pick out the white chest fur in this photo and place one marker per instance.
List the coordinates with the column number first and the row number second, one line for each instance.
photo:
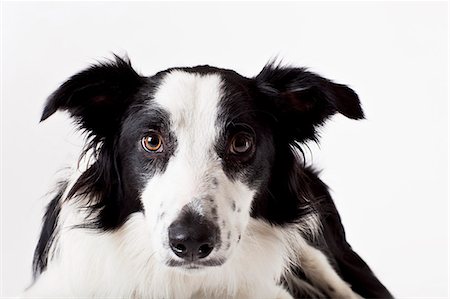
column 122, row 264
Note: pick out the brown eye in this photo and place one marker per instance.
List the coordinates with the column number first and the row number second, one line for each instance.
column 242, row 143
column 152, row 142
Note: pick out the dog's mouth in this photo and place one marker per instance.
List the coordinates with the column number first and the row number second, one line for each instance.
column 195, row 265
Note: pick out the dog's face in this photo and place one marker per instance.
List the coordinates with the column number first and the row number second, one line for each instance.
column 197, row 150
column 200, row 153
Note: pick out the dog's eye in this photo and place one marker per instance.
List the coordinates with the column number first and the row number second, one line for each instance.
column 152, row 142
column 241, row 144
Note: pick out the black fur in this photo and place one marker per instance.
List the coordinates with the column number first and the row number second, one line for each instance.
column 332, row 242
column 302, row 101
column 281, row 108
column 48, row 232
column 97, row 97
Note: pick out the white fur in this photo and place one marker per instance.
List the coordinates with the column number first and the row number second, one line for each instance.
column 123, row 264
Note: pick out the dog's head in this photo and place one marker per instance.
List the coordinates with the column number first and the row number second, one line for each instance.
column 197, row 150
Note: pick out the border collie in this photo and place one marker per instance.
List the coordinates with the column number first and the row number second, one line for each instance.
column 195, row 186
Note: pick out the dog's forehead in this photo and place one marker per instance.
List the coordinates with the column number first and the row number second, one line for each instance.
column 192, row 101
column 189, row 97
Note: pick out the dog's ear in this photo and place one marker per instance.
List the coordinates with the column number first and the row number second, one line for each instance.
column 301, row 101
column 97, row 96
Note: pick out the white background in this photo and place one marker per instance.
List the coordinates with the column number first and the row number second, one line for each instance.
column 388, row 173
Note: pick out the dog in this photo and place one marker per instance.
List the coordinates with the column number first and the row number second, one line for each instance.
column 194, row 185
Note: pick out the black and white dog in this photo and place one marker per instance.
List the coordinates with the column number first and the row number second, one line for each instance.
column 195, row 186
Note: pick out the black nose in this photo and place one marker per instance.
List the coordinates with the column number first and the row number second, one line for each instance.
column 192, row 236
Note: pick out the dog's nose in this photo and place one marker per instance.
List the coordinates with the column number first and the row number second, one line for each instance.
column 192, row 236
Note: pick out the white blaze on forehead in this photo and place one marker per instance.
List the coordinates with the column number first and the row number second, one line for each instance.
column 192, row 101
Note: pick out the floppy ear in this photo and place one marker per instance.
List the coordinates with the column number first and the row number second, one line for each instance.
column 301, row 101
column 97, row 96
